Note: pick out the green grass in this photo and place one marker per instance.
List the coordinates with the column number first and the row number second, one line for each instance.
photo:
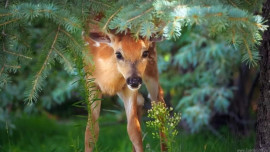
column 40, row 134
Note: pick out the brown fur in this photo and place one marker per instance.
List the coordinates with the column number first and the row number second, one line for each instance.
column 111, row 74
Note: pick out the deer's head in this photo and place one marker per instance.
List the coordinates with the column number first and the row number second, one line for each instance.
column 131, row 55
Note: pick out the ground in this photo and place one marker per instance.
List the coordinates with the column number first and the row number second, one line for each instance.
column 41, row 134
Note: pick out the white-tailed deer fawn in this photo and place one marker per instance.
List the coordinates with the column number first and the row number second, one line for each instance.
column 121, row 64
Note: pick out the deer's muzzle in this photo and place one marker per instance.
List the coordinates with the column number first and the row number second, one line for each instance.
column 134, row 82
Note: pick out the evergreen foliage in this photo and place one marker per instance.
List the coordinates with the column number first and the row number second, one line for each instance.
column 40, row 33
column 235, row 24
column 34, row 36
column 57, row 33
column 205, row 67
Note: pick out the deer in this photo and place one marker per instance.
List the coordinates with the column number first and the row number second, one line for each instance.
column 121, row 65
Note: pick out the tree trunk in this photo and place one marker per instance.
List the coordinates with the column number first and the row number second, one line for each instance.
column 239, row 108
column 263, row 113
column 238, row 117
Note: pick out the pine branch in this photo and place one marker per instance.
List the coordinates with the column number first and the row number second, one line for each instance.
column 218, row 14
column 7, row 14
column 12, row 66
column 248, row 49
column 101, row 3
column 233, row 36
column 69, row 21
column 2, row 69
column 17, row 54
column 111, row 17
column 64, row 58
column 11, row 21
column 70, row 36
column 248, row 2
column 38, row 11
column 6, row 4
column 143, row 13
column 31, row 11
column 233, row 4
column 32, row 95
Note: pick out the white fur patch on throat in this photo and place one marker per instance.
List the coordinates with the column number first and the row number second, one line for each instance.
column 134, row 89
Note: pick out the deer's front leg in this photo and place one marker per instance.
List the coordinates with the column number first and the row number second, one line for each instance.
column 129, row 98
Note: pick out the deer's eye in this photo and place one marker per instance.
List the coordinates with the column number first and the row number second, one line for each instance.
column 145, row 54
column 119, row 56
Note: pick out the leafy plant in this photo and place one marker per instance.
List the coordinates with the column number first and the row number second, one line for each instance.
column 163, row 123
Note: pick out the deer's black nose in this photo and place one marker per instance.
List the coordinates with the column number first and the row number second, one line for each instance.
column 134, row 81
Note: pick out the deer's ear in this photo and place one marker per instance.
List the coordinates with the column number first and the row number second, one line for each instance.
column 100, row 37
column 156, row 38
